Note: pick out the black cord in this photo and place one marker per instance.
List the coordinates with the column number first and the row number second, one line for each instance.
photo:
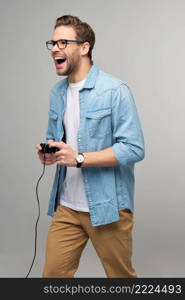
column 35, row 250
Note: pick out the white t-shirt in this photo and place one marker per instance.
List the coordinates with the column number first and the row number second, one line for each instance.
column 73, row 193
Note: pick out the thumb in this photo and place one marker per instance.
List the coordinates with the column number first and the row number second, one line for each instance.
column 57, row 144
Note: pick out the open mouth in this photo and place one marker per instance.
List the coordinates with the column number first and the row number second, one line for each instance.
column 60, row 61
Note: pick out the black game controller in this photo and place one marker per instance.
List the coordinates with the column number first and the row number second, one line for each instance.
column 47, row 149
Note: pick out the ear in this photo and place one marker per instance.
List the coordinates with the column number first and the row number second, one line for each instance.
column 85, row 48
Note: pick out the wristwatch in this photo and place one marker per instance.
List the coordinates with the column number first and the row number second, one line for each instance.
column 79, row 160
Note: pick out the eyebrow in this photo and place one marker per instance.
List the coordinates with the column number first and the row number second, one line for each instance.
column 60, row 39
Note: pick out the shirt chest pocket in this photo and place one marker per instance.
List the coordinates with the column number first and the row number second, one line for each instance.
column 99, row 122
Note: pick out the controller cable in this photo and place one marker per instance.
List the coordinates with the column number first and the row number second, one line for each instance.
column 38, row 202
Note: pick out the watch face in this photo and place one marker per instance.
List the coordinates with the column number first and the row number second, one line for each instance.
column 80, row 158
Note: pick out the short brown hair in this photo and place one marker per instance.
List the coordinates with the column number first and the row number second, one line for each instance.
column 83, row 30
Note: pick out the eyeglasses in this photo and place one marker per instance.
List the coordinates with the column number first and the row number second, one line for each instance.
column 61, row 44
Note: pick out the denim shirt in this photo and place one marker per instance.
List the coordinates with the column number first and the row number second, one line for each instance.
column 108, row 118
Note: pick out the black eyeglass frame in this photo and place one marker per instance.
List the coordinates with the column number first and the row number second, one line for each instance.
column 53, row 43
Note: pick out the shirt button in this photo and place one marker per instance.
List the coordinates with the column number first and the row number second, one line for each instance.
column 79, row 140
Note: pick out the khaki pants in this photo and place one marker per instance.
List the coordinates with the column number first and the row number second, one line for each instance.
column 69, row 233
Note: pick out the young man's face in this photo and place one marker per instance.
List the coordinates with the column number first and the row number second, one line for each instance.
column 71, row 53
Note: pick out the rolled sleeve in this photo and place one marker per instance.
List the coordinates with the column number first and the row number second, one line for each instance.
column 128, row 146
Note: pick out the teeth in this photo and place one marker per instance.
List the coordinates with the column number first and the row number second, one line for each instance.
column 59, row 58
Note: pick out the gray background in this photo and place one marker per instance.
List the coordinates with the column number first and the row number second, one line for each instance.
column 143, row 43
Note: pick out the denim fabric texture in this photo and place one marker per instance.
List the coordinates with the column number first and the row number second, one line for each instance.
column 108, row 118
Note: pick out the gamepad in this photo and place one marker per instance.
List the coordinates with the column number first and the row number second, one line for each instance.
column 47, row 149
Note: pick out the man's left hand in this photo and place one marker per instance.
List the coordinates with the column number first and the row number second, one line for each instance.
column 66, row 156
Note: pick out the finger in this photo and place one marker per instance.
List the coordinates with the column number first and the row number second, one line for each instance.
column 57, row 159
column 47, row 162
column 38, row 147
column 57, row 154
column 62, row 152
column 50, row 141
column 57, row 144
column 60, row 162
column 43, row 157
column 48, row 155
column 40, row 154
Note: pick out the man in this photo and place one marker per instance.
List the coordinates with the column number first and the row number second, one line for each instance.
column 94, row 123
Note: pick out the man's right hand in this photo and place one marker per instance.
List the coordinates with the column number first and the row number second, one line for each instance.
column 49, row 157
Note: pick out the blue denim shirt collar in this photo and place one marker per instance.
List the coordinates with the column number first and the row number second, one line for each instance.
column 91, row 77
column 90, row 80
